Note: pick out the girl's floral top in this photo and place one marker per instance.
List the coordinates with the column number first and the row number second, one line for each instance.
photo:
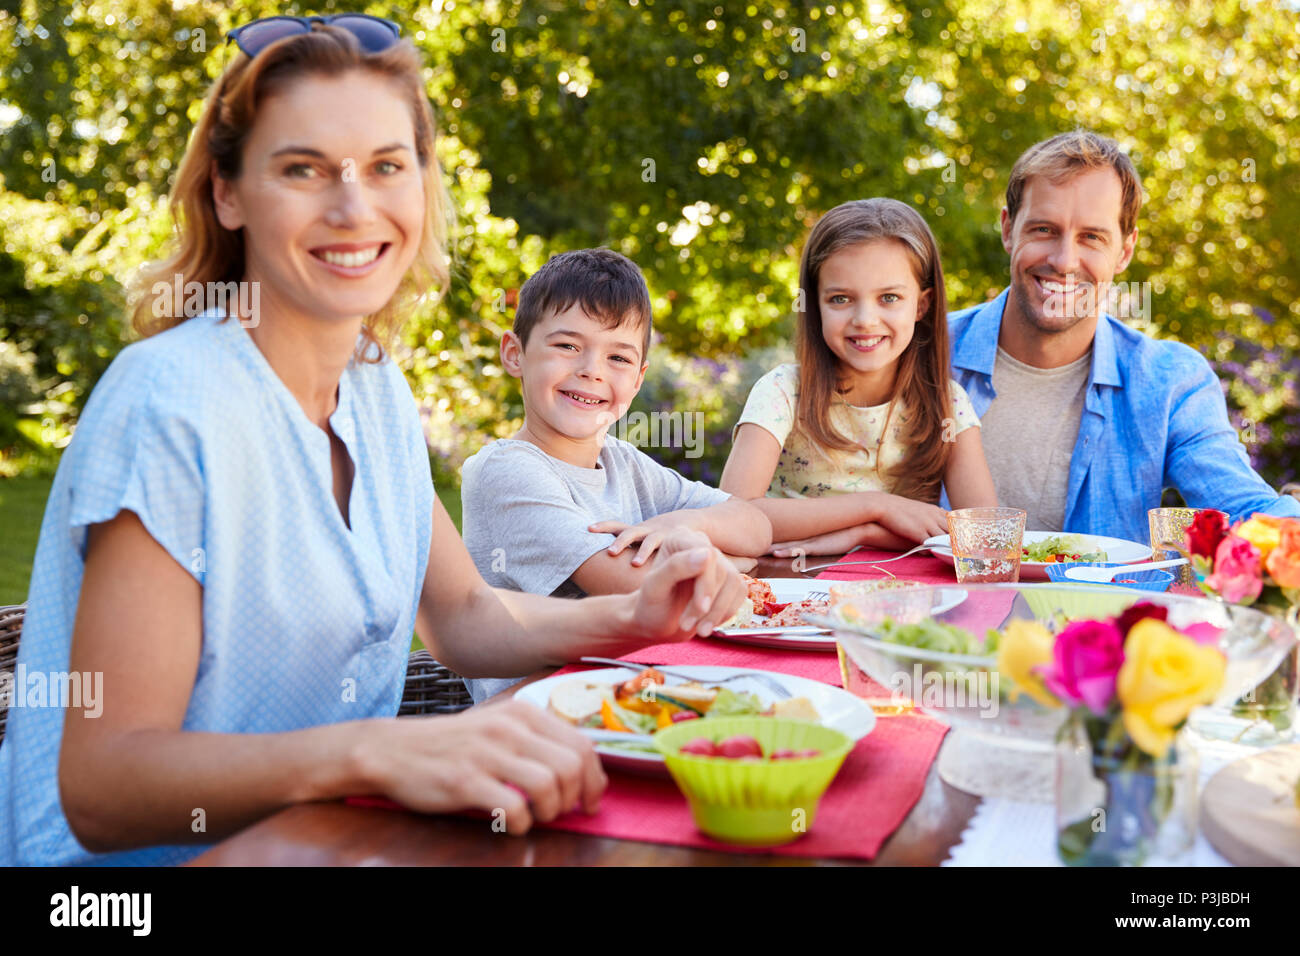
column 810, row 471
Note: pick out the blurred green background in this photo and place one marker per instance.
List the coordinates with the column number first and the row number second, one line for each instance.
column 700, row 139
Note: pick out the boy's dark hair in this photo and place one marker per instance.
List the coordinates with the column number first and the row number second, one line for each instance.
column 608, row 286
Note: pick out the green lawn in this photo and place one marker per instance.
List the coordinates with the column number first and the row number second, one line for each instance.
column 22, row 505
column 451, row 501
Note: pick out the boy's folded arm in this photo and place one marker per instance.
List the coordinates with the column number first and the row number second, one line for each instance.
column 735, row 526
column 605, row 573
column 795, row 519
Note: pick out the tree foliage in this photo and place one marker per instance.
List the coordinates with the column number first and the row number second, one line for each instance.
column 702, row 139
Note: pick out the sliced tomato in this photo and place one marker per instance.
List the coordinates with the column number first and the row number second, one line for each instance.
column 773, row 607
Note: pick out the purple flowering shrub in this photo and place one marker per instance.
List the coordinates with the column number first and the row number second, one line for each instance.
column 1262, row 388
column 688, row 405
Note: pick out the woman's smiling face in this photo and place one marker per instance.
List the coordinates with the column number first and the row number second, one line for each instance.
column 330, row 196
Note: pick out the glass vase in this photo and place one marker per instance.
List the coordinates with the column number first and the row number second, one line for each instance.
column 1117, row 805
column 1266, row 714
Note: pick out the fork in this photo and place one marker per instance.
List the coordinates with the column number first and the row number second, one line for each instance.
column 845, row 564
column 758, row 676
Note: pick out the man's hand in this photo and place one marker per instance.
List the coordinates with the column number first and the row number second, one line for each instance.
column 651, row 533
column 690, row 590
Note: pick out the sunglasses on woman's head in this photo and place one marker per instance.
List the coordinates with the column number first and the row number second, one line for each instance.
column 373, row 33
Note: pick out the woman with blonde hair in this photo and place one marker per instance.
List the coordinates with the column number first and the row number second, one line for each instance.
column 243, row 533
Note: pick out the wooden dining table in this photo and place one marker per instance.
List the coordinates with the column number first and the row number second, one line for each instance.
column 337, row 834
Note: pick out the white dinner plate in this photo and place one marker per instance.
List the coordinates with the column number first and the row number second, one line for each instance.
column 807, row 637
column 839, row 709
column 1118, row 551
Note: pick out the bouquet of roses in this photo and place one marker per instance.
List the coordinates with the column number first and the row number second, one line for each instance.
column 1130, row 682
column 1133, row 676
column 1254, row 561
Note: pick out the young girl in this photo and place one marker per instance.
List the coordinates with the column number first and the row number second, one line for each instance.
column 868, row 427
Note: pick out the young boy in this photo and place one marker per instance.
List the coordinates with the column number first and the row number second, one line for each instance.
column 554, row 509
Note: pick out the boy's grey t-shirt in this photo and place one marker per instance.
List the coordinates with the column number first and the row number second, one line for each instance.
column 525, row 514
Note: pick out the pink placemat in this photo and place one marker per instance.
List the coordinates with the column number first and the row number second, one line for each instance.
column 923, row 568
column 880, row 782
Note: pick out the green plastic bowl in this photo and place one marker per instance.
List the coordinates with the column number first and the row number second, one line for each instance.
column 754, row 802
column 1078, row 601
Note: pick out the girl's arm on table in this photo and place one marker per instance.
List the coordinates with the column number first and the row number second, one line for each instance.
column 967, row 478
column 876, row 518
column 735, row 527
column 871, row 536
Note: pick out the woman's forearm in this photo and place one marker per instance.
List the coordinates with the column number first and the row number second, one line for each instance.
column 509, row 633
column 129, row 789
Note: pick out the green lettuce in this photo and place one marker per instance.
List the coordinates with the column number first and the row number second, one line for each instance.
column 729, row 703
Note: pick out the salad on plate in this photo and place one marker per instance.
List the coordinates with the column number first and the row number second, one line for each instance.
column 646, row 703
column 1061, row 549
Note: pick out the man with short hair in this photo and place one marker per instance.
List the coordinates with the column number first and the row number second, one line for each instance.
column 1086, row 421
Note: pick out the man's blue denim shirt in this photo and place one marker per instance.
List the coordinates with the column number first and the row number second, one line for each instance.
column 1154, row 417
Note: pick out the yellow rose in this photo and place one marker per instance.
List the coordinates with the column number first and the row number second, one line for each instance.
column 1023, row 646
column 1264, row 532
column 1165, row 675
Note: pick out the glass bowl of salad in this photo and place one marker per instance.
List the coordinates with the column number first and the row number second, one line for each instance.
column 893, row 647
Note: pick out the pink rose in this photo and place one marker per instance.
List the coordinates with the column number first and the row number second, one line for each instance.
column 1085, row 661
column 1237, row 577
column 1203, row 632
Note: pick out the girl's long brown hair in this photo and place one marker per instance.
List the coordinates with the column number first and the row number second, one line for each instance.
column 206, row 251
column 921, row 384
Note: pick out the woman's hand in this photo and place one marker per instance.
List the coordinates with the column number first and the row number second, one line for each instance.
column 690, row 590
column 509, row 758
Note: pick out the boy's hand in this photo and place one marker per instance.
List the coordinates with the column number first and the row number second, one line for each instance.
column 651, row 533
column 691, row 589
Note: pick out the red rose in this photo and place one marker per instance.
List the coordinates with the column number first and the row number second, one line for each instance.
column 1207, row 530
column 1139, row 611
